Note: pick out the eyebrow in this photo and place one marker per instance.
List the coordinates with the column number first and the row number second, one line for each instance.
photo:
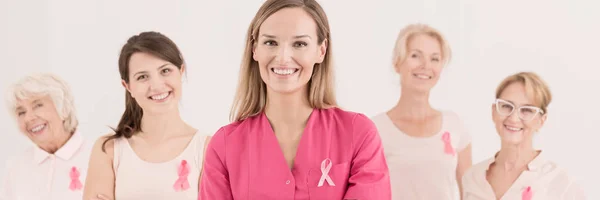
column 296, row 37
column 158, row 68
column 519, row 105
column 436, row 54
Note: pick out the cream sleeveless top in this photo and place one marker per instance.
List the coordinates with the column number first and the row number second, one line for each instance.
column 175, row 179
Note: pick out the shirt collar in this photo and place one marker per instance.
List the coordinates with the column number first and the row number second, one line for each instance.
column 65, row 152
column 533, row 165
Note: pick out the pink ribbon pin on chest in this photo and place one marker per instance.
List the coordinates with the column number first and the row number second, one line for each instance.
column 527, row 193
column 182, row 182
column 448, row 149
column 75, row 183
column 325, row 168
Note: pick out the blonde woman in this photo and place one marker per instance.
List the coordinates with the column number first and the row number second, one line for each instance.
column 55, row 166
column 518, row 171
column 288, row 140
column 427, row 149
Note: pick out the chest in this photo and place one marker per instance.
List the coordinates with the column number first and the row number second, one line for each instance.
column 419, row 128
column 159, row 152
column 258, row 167
column 53, row 179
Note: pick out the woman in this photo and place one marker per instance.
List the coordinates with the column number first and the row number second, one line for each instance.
column 427, row 149
column 55, row 166
column 518, row 171
column 153, row 153
column 288, row 140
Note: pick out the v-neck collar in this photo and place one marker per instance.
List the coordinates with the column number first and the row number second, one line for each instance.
column 269, row 133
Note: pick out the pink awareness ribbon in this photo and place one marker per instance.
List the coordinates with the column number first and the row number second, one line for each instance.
column 448, row 144
column 325, row 168
column 183, row 171
column 75, row 183
column 527, row 193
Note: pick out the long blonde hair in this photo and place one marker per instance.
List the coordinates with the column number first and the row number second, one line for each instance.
column 251, row 96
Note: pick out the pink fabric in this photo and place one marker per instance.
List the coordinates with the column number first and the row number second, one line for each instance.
column 527, row 193
column 182, row 182
column 75, row 183
column 448, row 149
column 244, row 161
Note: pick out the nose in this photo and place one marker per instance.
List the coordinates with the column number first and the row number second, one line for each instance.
column 283, row 55
column 514, row 116
column 29, row 116
column 157, row 83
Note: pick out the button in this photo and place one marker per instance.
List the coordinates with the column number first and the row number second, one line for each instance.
column 287, row 182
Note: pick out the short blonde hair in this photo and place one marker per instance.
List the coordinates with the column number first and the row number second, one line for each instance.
column 534, row 86
column 408, row 32
column 251, row 96
column 42, row 84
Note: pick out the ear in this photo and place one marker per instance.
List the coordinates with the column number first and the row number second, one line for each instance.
column 543, row 120
column 254, row 50
column 126, row 86
column 493, row 110
column 183, row 68
column 397, row 67
column 323, row 50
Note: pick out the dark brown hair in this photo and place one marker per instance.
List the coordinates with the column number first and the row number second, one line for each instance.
column 155, row 44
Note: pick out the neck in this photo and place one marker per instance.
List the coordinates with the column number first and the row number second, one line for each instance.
column 61, row 139
column 412, row 104
column 158, row 126
column 288, row 112
column 515, row 157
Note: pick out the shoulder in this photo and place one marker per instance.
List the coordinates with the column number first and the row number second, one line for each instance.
column 19, row 159
column 104, row 146
column 478, row 169
column 345, row 117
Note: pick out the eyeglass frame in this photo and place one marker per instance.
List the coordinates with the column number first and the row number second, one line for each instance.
column 537, row 109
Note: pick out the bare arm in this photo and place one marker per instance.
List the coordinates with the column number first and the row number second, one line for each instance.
column 100, row 178
column 203, row 155
column 464, row 163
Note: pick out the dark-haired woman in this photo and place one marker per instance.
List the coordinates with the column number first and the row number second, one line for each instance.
column 153, row 153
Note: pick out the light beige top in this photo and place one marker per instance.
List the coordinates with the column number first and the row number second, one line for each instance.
column 137, row 179
column 545, row 179
column 420, row 168
column 37, row 174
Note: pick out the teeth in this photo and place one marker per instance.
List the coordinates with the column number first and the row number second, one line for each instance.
column 284, row 71
column 38, row 128
column 422, row 76
column 160, row 96
column 512, row 128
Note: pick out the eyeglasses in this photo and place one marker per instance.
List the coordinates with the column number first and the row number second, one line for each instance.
column 526, row 113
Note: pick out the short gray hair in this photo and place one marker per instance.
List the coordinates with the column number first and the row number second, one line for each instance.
column 41, row 84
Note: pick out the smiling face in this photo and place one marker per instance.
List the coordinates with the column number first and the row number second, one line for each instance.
column 287, row 49
column 422, row 65
column 155, row 84
column 39, row 120
column 516, row 115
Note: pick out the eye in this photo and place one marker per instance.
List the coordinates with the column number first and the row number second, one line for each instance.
column 414, row 55
column 20, row 113
column 300, row 44
column 506, row 106
column 270, row 43
column 166, row 71
column 38, row 105
column 435, row 59
column 528, row 110
column 141, row 77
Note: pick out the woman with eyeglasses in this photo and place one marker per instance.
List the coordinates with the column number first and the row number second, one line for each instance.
column 518, row 171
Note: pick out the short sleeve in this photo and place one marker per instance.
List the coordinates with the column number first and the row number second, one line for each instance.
column 461, row 131
column 214, row 183
column 369, row 173
column 574, row 192
column 6, row 182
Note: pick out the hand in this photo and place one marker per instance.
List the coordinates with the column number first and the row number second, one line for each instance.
column 101, row 197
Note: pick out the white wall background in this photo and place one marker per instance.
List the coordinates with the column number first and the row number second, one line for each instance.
column 80, row 41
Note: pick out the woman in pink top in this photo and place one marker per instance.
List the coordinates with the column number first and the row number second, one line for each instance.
column 427, row 149
column 55, row 166
column 518, row 171
column 153, row 153
column 288, row 140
